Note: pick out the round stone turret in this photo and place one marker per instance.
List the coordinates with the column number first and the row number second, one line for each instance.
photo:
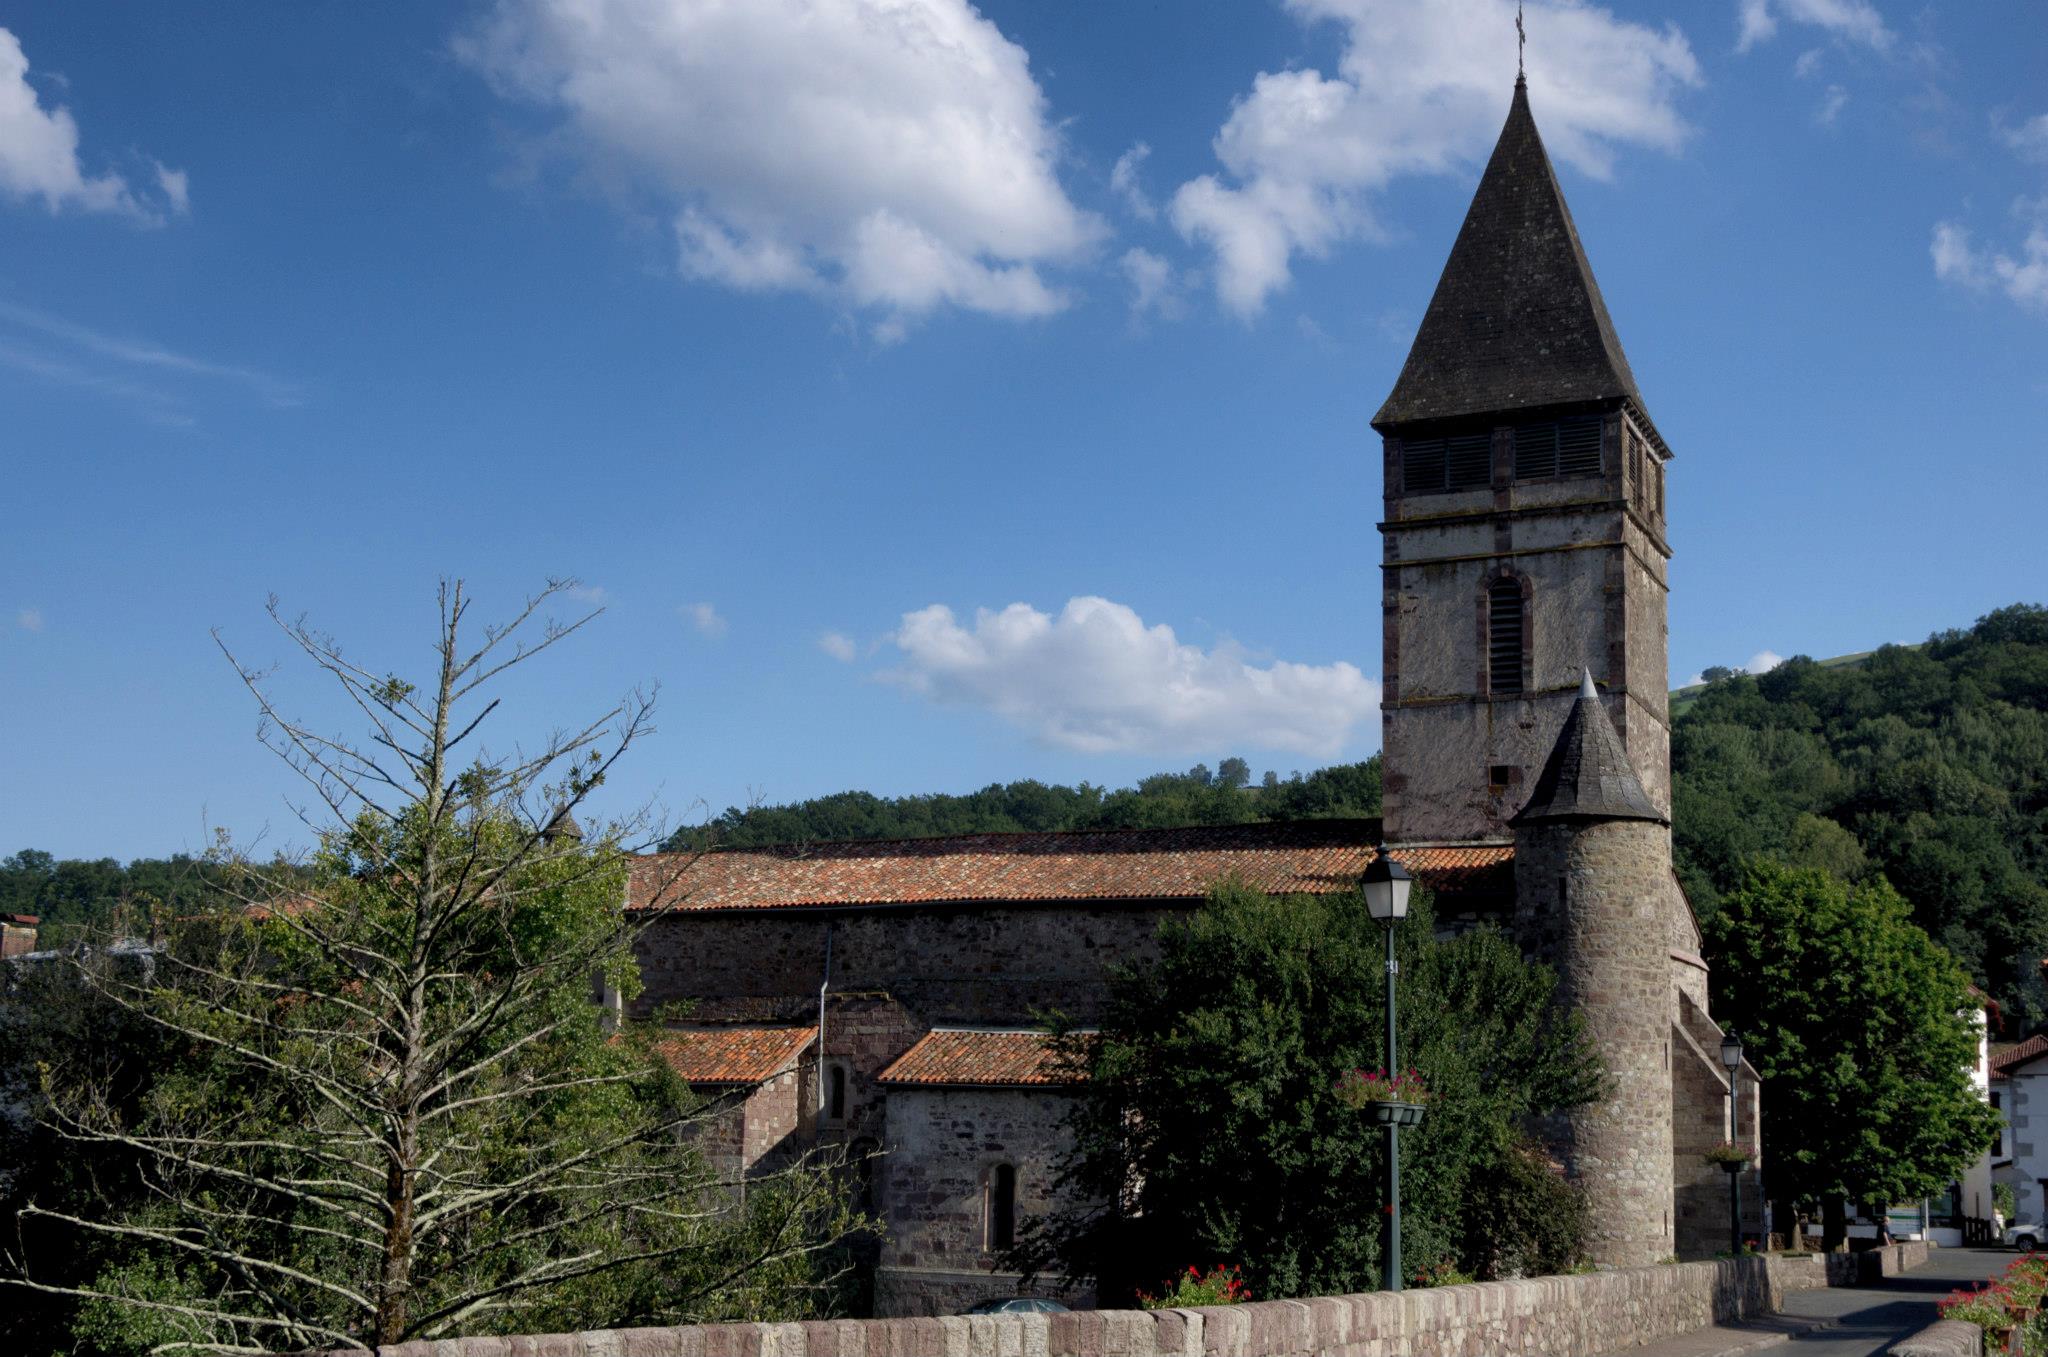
column 1592, row 877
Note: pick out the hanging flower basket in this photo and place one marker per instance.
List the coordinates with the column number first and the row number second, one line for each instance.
column 1397, row 1114
column 1728, row 1156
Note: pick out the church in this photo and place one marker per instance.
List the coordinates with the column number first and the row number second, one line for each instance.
column 885, row 994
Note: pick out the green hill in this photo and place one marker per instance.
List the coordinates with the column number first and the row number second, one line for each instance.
column 1683, row 698
column 1926, row 763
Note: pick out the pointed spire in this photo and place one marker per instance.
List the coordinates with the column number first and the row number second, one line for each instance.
column 1517, row 320
column 1588, row 775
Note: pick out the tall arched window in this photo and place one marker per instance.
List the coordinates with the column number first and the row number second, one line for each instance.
column 1001, row 1213
column 1506, row 635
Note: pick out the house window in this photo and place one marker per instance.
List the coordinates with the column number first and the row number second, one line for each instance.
column 1505, row 636
column 1001, row 1208
column 1559, row 447
column 1501, row 776
column 835, row 1093
column 1451, row 462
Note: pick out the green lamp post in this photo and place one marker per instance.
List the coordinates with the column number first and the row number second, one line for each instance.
column 1386, row 887
column 1731, row 1056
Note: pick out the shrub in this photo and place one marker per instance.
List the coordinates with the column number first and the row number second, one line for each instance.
column 1356, row 1088
column 1220, row 1285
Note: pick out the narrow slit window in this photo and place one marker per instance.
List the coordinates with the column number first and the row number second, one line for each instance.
column 1504, row 634
column 835, row 1101
column 1002, row 1207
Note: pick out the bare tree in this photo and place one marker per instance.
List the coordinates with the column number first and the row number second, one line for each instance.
column 397, row 1113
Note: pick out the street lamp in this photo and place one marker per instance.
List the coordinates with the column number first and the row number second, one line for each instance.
column 1731, row 1056
column 1386, row 898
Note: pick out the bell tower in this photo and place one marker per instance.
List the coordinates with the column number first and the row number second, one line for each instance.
column 1523, row 534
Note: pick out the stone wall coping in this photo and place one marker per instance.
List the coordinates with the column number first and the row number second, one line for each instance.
column 1942, row 1338
column 1576, row 1316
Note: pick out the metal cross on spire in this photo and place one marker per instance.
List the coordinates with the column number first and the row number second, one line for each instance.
column 1521, row 42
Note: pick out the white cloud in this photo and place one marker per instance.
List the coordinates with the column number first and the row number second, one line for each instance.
column 39, row 152
column 176, row 186
column 593, row 594
column 1095, row 678
column 839, row 646
column 1831, row 106
column 704, row 617
column 1763, row 662
column 146, row 353
column 2030, row 138
column 2022, row 276
column 29, row 619
column 1853, row 21
column 1419, row 89
column 1154, row 290
column 1955, row 259
column 1808, row 64
column 1123, row 181
column 888, row 154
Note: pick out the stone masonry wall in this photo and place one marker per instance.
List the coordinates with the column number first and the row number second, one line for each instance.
column 774, row 1116
column 1591, row 898
column 1594, row 569
column 982, row 965
column 944, row 1145
column 1579, row 1316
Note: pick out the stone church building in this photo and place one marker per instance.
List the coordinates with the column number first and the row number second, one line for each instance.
column 890, row 995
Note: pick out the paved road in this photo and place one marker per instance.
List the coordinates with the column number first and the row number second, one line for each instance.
column 1863, row 1320
column 1868, row 1319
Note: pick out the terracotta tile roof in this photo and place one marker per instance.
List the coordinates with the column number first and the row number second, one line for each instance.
column 733, row 1055
column 2027, row 1050
column 1309, row 856
column 980, row 1059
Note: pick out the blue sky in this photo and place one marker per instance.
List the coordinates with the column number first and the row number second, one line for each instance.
column 933, row 395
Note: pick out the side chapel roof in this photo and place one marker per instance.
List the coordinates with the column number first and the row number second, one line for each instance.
column 1517, row 320
column 1588, row 775
column 733, row 1055
column 967, row 1058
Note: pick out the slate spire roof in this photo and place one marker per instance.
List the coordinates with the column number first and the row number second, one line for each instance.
column 1588, row 775
column 1517, row 320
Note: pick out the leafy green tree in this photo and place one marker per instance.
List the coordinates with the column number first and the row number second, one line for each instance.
column 1859, row 1025
column 1927, row 765
column 391, row 1109
column 1211, row 1129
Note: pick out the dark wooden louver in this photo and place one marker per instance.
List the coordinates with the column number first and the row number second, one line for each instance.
column 1458, row 462
column 1563, row 447
column 1504, row 636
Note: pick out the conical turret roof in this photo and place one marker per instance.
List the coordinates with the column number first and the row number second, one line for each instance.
column 1517, row 320
column 1588, row 775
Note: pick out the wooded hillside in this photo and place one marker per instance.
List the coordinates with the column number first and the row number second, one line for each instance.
column 1928, row 764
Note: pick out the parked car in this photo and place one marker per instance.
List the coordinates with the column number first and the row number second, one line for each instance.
column 1017, row 1305
column 2025, row 1235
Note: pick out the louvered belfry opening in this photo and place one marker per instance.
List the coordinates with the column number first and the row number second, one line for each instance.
column 1558, row 447
column 1504, row 636
column 1460, row 461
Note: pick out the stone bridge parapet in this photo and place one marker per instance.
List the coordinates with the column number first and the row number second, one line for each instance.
column 1576, row 1316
